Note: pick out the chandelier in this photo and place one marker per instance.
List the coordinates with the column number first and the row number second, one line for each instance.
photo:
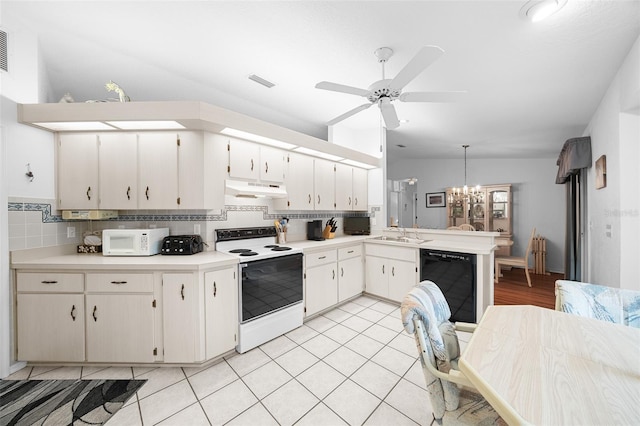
column 459, row 195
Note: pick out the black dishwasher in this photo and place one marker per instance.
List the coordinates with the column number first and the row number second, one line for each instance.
column 455, row 274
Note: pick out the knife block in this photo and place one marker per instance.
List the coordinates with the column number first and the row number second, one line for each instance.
column 327, row 234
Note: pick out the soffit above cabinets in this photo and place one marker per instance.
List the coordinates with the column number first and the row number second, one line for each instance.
column 192, row 115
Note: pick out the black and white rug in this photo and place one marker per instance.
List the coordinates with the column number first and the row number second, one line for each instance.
column 63, row 402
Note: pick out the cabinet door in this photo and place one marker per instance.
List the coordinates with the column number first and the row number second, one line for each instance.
column 299, row 182
column 349, row 278
column 50, row 327
column 118, row 171
column 215, row 170
column 323, row 184
column 179, row 317
column 158, row 170
column 221, row 311
column 344, row 184
column 120, row 328
column 360, row 189
column 191, row 170
column 402, row 278
column 78, row 171
column 244, row 160
column 271, row 164
column 321, row 288
column 377, row 276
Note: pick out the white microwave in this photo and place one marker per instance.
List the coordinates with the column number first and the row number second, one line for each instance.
column 133, row 242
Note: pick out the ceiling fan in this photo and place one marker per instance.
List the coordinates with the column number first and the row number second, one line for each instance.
column 385, row 91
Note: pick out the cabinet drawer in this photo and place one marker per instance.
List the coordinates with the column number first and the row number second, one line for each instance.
column 349, row 252
column 391, row 252
column 47, row 282
column 320, row 258
column 120, row 283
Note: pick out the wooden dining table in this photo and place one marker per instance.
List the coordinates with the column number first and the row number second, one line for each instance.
column 543, row 367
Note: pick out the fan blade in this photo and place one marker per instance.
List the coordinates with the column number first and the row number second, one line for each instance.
column 432, row 96
column 389, row 114
column 348, row 114
column 425, row 57
column 335, row 87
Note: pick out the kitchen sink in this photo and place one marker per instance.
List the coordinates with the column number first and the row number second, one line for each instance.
column 399, row 239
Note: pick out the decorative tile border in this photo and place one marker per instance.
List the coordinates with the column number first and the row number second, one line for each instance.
column 47, row 217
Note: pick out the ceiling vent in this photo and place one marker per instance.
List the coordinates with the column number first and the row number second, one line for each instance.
column 260, row 80
column 4, row 55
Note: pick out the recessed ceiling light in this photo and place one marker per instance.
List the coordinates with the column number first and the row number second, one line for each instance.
column 537, row 10
column 256, row 138
column 75, row 126
column 146, row 125
column 260, row 80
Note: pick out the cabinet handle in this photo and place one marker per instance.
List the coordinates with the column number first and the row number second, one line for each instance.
column 333, row 272
column 95, row 309
column 309, row 198
column 73, row 310
column 350, row 251
column 89, row 193
column 128, row 192
column 318, row 199
column 393, row 271
column 49, row 282
column 383, row 269
column 182, row 292
column 118, row 282
column 252, row 164
column 215, row 289
column 266, row 167
column 322, row 257
column 341, row 271
column 349, row 200
column 146, row 193
column 356, row 201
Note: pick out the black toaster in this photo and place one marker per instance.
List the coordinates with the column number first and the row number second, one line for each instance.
column 182, row 244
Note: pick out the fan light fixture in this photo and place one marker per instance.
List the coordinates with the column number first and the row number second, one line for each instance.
column 465, row 194
column 537, row 10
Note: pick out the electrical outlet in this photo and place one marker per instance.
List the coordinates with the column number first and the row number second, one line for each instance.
column 71, row 231
column 196, row 229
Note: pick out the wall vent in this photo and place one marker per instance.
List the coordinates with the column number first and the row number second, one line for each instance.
column 4, row 55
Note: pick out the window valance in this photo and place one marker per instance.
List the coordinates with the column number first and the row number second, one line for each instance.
column 575, row 155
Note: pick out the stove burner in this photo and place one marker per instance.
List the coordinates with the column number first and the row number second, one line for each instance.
column 271, row 246
column 279, row 248
column 239, row 251
column 248, row 253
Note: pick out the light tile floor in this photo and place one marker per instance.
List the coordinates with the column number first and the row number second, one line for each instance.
column 353, row 365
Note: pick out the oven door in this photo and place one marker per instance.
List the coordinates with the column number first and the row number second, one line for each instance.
column 269, row 285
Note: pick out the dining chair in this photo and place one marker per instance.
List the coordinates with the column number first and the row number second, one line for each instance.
column 453, row 228
column 515, row 261
column 454, row 400
column 467, row 227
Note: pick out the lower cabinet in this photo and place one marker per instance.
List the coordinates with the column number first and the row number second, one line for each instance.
column 221, row 311
column 180, row 317
column 321, row 281
column 390, row 271
column 350, row 272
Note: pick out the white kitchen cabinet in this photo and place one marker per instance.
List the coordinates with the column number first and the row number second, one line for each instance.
column 50, row 316
column 120, row 310
column 350, row 272
column 221, row 311
column 360, row 189
column 78, row 171
column 344, row 187
column 323, row 184
column 158, row 170
column 180, row 317
column 251, row 161
column 321, row 281
column 191, row 182
column 118, row 170
column 299, row 183
column 214, row 169
column 390, row 271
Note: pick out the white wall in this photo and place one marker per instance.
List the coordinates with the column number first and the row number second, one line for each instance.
column 537, row 200
column 613, row 212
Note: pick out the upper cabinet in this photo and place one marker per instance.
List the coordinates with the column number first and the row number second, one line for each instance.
column 351, row 188
column 323, row 184
column 145, row 170
column 251, row 161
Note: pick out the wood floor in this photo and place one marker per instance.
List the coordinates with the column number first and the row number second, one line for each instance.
column 513, row 289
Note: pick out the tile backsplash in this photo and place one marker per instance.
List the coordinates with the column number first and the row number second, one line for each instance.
column 35, row 223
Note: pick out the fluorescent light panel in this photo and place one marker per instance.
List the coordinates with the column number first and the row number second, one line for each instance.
column 256, row 138
column 75, row 125
column 146, row 125
column 315, row 153
column 358, row 164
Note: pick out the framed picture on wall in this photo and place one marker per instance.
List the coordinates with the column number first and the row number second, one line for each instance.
column 436, row 199
column 601, row 172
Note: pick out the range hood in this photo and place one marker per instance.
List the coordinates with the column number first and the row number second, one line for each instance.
column 240, row 188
